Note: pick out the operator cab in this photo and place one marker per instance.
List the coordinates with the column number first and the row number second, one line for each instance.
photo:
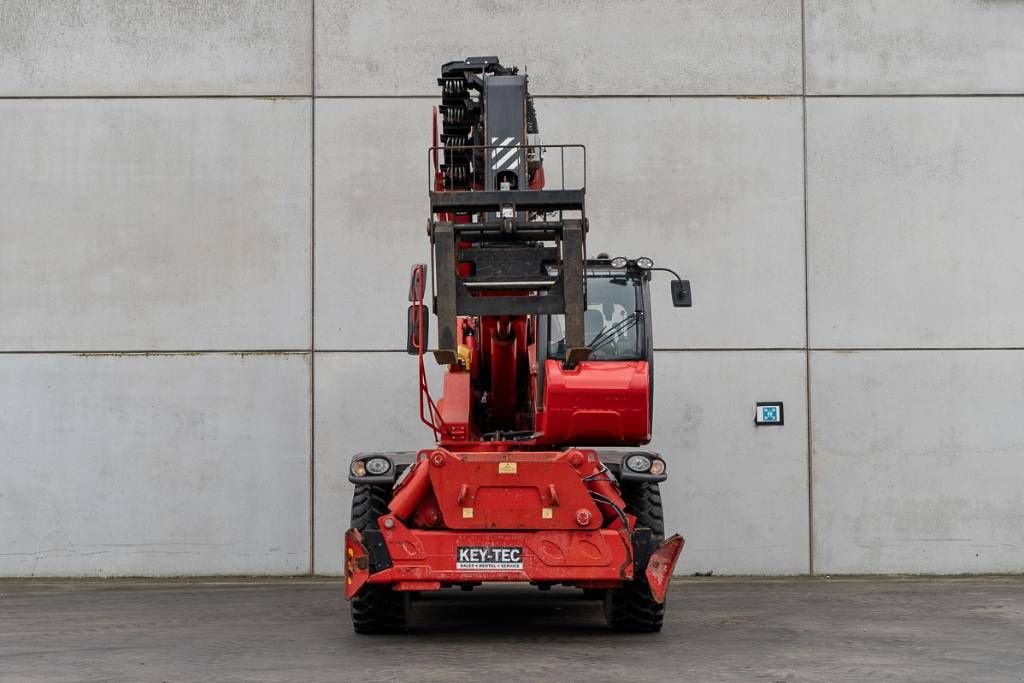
column 608, row 396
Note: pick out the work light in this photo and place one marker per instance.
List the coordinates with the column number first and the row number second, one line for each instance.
column 638, row 463
column 378, row 466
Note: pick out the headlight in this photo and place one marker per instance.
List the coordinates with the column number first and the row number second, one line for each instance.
column 378, row 466
column 657, row 467
column 644, row 263
column 638, row 463
column 358, row 468
column 619, row 262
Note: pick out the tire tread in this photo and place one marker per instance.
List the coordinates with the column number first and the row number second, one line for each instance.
column 631, row 608
column 376, row 608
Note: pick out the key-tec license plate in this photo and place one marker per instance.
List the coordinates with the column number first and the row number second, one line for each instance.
column 488, row 558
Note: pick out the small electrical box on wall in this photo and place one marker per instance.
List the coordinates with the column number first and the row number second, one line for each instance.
column 768, row 413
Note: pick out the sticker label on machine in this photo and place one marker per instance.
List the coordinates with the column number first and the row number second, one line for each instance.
column 488, row 558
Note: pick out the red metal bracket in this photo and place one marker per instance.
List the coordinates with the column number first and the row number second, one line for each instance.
column 661, row 564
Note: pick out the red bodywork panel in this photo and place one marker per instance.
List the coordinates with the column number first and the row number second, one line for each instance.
column 427, row 560
column 509, row 490
column 521, row 491
column 538, row 502
column 421, row 558
column 454, row 406
column 597, row 402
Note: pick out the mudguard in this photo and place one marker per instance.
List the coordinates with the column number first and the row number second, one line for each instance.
column 661, row 564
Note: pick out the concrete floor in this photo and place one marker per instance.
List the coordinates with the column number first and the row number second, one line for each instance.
column 955, row 629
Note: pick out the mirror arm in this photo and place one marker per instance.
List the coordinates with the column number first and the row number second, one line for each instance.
column 667, row 270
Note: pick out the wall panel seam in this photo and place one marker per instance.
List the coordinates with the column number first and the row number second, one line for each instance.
column 670, row 349
column 157, row 352
column 807, row 310
column 694, row 349
column 897, row 96
column 312, row 287
column 44, row 98
column 594, row 96
column 589, row 96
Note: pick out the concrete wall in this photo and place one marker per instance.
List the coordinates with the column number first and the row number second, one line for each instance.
column 207, row 212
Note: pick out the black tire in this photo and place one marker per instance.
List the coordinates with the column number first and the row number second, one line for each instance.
column 631, row 608
column 376, row 608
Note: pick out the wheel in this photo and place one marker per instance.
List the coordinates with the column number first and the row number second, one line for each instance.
column 376, row 608
column 631, row 607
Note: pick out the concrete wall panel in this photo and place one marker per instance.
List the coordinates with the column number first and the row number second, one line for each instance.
column 154, row 224
column 371, row 218
column 914, row 46
column 165, row 47
column 737, row 492
column 649, row 47
column 914, row 216
column 154, row 465
column 917, row 461
column 710, row 187
column 365, row 402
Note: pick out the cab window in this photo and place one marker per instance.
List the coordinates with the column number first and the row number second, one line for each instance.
column 612, row 322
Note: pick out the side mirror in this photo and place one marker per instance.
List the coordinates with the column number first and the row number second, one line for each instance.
column 417, row 282
column 418, row 315
column 681, row 297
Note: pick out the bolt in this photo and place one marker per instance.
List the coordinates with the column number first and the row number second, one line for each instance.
column 437, row 459
column 389, row 523
column 433, row 517
column 582, row 517
column 576, row 458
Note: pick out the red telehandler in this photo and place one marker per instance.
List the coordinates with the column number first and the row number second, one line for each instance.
column 548, row 391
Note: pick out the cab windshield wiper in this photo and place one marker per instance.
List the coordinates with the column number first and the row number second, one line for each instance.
column 609, row 333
